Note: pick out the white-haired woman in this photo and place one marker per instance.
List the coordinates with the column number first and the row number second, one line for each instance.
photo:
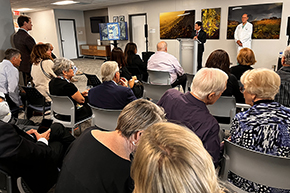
column 99, row 161
column 265, row 126
column 62, row 86
column 171, row 158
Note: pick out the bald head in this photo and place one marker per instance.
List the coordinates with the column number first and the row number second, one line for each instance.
column 162, row 46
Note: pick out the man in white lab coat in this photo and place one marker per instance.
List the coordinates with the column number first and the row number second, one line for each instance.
column 243, row 33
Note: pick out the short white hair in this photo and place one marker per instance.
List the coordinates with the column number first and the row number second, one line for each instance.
column 208, row 80
column 108, row 70
column 286, row 55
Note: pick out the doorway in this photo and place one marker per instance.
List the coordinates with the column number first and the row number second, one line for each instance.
column 68, row 38
column 137, row 32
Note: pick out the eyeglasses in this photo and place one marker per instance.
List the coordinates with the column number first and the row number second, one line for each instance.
column 242, row 89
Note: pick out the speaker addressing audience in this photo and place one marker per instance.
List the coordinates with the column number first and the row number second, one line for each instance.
column 190, row 108
column 243, row 33
column 109, row 94
column 283, row 97
column 245, row 58
column 199, row 34
column 171, row 158
column 41, row 70
column 265, row 126
column 24, row 42
column 36, row 159
column 99, row 161
column 163, row 61
column 220, row 59
column 62, row 86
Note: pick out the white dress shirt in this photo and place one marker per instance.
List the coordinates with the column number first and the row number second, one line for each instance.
column 244, row 34
column 163, row 61
column 9, row 77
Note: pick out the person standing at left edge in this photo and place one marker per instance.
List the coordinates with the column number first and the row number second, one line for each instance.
column 199, row 34
column 243, row 33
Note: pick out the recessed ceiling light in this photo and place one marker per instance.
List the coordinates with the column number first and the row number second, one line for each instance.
column 23, row 9
column 65, row 2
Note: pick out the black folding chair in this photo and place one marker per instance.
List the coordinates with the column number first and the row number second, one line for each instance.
column 5, row 182
column 35, row 101
column 93, row 80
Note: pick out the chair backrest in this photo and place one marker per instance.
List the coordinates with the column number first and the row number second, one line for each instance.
column 33, row 96
column 269, row 170
column 158, row 77
column 5, row 182
column 283, row 97
column 153, row 91
column 105, row 118
column 93, row 80
column 224, row 107
column 63, row 105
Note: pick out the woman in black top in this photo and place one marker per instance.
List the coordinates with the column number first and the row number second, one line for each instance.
column 245, row 58
column 134, row 61
column 61, row 86
column 220, row 59
column 117, row 55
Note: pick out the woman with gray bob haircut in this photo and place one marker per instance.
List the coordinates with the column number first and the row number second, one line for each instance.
column 106, row 154
column 61, row 65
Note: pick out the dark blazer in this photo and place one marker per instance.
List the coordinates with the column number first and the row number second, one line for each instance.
column 24, row 42
column 108, row 95
column 23, row 156
column 201, row 37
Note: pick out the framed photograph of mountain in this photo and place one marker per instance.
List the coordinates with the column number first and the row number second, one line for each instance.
column 178, row 24
column 266, row 20
column 211, row 19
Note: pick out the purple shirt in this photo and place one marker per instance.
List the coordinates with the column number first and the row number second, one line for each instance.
column 162, row 61
column 193, row 113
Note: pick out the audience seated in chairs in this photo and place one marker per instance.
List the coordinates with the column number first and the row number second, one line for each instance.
column 36, row 159
column 9, row 78
column 171, row 158
column 246, row 58
column 162, row 61
column 220, row 59
column 134, row 61
column 283, row 97
column 105, row 156
column 41, row 70
column 110, row 95
column 61, row 86
column 190, row 108
column 117, row 55
column 265, row 126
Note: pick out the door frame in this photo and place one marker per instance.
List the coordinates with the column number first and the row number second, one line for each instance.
column 130, row 22
column 60, row 36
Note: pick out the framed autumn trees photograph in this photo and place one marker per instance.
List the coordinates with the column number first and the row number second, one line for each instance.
column 211, row 19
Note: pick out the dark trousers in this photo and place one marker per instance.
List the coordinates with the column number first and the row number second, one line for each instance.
column 199, row 60
column 26, row 78
column 181, row 80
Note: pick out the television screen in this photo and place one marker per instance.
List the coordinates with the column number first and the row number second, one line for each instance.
column 95, row 23
column 113, row 31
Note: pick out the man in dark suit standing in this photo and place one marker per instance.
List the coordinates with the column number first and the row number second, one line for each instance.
column 24, row 42
column 199, row 34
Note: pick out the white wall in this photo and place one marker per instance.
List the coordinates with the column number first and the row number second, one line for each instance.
column 266, row 50
column 44, row 29
column 7, row 28
column 78, row 16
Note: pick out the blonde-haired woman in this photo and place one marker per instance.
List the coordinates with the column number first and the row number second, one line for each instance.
column 265, row 126
column 171, row 158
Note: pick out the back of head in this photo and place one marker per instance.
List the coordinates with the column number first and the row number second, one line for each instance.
column 118, row 56
column 219, row 59
column 286, row 55
column 108, row 70
column 10, row 53
column 171, row 158
column 60, row 65
column 129, row 51
column 246, row 56
column 208, row 80
column 138, row 115
column 162, row 46
column 262, row 82
column 21, row 19
column 39, row 53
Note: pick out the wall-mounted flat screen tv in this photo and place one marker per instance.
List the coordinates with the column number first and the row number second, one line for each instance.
column 113, row 31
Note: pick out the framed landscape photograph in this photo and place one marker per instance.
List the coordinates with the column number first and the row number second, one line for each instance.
column 266, row 20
